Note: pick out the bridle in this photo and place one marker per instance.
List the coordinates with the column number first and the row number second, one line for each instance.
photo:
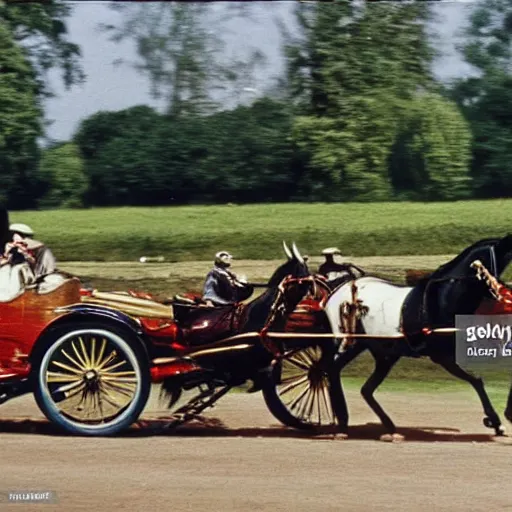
column 279, row 306
column 498, row 290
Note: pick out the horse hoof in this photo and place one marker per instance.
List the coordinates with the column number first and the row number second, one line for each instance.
column 490, row 423
column 387, row 438
column 398, row 438
column 500, row 431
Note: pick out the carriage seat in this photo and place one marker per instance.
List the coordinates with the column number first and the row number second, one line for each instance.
column 14, row 280
column 201, row 325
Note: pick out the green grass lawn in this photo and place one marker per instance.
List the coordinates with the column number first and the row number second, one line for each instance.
column 256, row 231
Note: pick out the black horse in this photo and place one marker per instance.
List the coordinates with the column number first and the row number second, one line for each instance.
column 453, row 289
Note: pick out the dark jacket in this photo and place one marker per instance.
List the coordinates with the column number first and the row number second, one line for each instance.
column 223, row 287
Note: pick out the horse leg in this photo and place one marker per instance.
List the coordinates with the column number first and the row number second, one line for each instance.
column 342, row 359
column 383, row 366
column 491, row 420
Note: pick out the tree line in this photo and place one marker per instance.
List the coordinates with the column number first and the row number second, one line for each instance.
column 357, row 116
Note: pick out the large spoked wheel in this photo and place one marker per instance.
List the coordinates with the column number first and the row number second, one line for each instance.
column 92, row 381
column 304, row 390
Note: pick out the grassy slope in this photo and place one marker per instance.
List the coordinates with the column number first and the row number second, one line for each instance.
column 256, row 231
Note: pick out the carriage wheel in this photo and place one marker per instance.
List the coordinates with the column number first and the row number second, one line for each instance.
column 92, row 381
column 305, row 391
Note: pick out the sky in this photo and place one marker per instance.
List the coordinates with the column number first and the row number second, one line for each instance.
column 110, row 87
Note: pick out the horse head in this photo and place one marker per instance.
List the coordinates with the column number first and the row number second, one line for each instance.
column 289, row 283
column 455, row 287
column 294, row 267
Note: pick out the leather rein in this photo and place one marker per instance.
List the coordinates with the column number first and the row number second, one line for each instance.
column 279, row 305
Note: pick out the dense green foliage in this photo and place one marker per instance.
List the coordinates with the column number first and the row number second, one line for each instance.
column 357, row 116
column 41, row 30
column 140, row 157
column 187, row 233
column 486, row 99
column 33, row 40
column 20, row 124
column 62, row 173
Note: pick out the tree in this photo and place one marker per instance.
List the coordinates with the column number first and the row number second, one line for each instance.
column 180, row 53
column 62, row 170
column 352, row 76
column 41, row 30
column 20, row 124
column 251, row 156
column 432, row 152
column 117, row 148
column 486, row 99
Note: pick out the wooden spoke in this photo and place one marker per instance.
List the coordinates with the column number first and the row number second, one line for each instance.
column 75, row 350
column 117, row 374
column 304, row 388
column 68, row 368
column 76, row 363
column 293, row 385
column 298, row 398
column 69, row 387
column 84, row 352
column 109, row 359
column 120, row 390
column 89, row 388
column 110, row 368
column 61, row 377
column 93, row 352
column 102, row 350
column 298, row 364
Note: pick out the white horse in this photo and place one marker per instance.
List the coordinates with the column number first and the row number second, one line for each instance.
column 394, row 321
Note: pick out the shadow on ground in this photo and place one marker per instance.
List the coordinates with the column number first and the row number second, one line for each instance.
column 211, row 427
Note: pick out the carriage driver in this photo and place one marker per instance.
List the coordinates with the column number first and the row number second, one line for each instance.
column 332, row 270
column 222, row 286
column 44, row 260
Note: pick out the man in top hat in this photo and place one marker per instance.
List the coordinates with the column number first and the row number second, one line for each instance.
column 222, row 286
column 332, row 270
column 42, row 259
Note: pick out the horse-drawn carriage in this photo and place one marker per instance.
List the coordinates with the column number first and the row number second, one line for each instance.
column 90, row 357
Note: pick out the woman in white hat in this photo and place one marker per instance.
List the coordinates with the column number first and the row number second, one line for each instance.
column 332, row 270
column 44, row 261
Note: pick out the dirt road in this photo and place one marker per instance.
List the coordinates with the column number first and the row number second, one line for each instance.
column 448, row 462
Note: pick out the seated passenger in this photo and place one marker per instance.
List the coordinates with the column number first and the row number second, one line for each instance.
column 15, row 270
column 43, row 261
column 222, row 286
column 332, row 270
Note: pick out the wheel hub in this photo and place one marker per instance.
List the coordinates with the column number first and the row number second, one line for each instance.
column 92, row 381
column 90, row 376
column 315, row 375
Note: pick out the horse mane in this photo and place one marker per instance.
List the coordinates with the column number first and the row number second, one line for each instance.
column 448, row 268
